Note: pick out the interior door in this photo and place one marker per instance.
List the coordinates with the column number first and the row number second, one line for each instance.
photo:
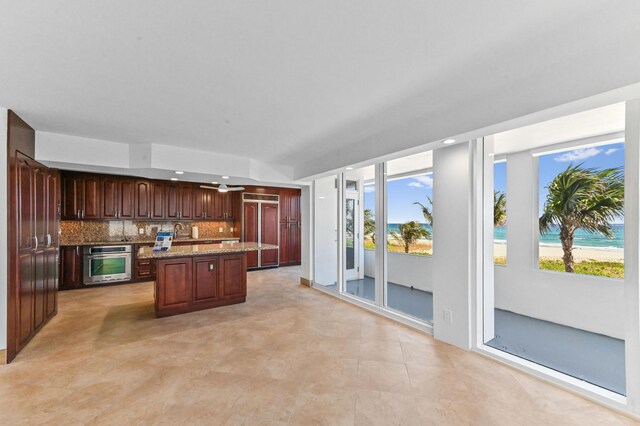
column 351, row 235
column 269, row 224
column 250, row 231
column 52, row 244
column 26, row 248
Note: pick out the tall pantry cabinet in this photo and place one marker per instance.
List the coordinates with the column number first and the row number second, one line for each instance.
column 33, row 204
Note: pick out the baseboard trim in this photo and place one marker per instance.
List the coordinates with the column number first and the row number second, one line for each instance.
column 3, row 356
column 305, row 282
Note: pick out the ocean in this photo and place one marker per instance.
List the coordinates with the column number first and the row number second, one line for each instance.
column 581, row 238
column 552, row 239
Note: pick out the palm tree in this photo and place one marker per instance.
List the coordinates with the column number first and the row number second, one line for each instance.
column 499, row 208
column 427, row 211
column 581, row 198
column 369, row 225
column 409, row 233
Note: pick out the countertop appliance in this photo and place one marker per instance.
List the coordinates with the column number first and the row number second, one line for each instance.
column 105, row 264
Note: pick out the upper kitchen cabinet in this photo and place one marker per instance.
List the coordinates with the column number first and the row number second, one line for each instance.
column 109, row 187
column 72, row 192
column 289, row 205
column 126, row 198
column 82, row 195
column 226, row 205
column 178, row 201
column 157, row 199
column 142, row 194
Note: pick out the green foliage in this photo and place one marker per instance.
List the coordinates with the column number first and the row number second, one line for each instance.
column 587, row 267
column 369, row 226
column 408, row 233
column 427, row 212
column 584, row 198
column 499, row 208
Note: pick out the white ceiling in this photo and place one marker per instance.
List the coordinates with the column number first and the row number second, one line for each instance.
column 310, row 85
column 588, row 124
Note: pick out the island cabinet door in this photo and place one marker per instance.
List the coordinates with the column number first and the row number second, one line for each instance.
column 205, row 280
column 173, row 284
column 233, row 276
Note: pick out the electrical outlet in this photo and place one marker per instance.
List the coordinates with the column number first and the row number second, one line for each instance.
column 447, row 316
column 220, row 229
column 140, row 231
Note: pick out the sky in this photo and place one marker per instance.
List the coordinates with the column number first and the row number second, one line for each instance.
column 601, row 157
column 402, row 193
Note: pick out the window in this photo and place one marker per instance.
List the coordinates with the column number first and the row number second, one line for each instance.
column 500, row 212
column 588, row 238
column 553, row 302
column 410, row 236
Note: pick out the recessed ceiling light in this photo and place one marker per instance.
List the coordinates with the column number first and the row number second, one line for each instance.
column 174, row 178
column 349, row 168
column 178, row 172
column 448, row 141
column 225, row 177
column 215, row 183
column 321, row 197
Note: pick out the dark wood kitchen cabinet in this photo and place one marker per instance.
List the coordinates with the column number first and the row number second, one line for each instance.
column 32, row 238
column 178, row 201
column 188, row 284
column 142, row 197
column 109, row 186
column 82, row 197
column 70, row 267
column 225, row 205
column 157, row 199
column 290, row 227
column 126, row 198
column 91, row 197
column 206, row 278
column 72, row 193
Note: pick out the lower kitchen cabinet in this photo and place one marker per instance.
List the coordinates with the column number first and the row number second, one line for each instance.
column 188, row 284
column 70, row 267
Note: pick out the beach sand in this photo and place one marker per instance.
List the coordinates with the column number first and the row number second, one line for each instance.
column 545, row 252
column 579, row 253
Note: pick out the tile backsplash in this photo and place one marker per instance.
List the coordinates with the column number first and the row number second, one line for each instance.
column 88, row 231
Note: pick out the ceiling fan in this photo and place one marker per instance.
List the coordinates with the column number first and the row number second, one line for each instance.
column 223, row 188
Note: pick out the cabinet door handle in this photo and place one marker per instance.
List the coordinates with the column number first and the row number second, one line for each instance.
column 78, row 214
column 48, row 241
column 82, row 213
column 35, row 247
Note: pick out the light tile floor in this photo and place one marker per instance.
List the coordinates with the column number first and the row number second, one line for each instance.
column 290, row 355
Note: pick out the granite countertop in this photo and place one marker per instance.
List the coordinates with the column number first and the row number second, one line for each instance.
column 203, row 249
column 147, row 240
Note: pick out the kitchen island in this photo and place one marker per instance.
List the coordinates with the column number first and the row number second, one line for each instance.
column 201, row 276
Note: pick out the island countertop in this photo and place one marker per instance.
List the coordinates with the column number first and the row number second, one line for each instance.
column 203, row 249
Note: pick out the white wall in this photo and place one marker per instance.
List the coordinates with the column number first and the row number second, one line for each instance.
column 151, row 160
column 451, row 260
column 325, row 232
column 580, row 301
column 403, row 269
column 4, row 279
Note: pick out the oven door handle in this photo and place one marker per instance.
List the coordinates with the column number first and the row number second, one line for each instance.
column 107, row 256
